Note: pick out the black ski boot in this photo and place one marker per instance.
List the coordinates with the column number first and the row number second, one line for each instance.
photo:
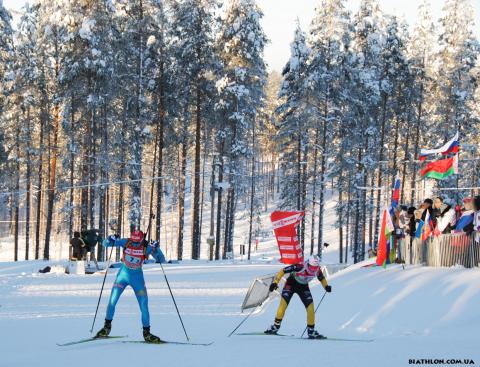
column 105, row 331
column 149, row 337
column 313, row 334
column 273, row 329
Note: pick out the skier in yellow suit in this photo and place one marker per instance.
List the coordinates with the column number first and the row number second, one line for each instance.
column 297, row 282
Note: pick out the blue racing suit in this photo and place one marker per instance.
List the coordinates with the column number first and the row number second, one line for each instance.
column 131, row 273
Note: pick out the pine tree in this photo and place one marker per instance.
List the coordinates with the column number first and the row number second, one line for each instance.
column 327, row 37
column 420, row 53
column 368, row 44
column 192, row 25
column 293, row 120
column 456, row 59
column 6, row 65
column 241, row 42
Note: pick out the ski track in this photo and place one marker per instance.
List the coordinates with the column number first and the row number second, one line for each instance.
column 413, row 313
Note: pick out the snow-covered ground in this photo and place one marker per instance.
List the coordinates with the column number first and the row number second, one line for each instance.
column 412, row 313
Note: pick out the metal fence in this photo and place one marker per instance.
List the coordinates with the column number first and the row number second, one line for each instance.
column 445, row 250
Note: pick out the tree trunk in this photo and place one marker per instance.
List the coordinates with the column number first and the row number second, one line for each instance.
column 103, row 191
column 227, row 223
column 404, row 169
column 252, row 194
column 212, row 212
column 181, row 198
column 416, row 146
column 72, row 167
column 196, row 190
column 304, row 198
column 314, row 190
column 39, row 186
column 340, row 224
column 85, row 179
column 53, row 164
column 92, row 169
column 356, row 224
column 323, row 163
column 28, row 185
column 348, row 229
column 16, row 196
column 219, row 203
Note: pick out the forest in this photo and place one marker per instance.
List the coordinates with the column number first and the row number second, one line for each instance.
column 163, row 114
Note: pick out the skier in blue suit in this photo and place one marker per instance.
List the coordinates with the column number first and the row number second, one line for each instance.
column 135, row 251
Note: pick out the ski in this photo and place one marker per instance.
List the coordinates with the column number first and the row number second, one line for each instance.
column 167, row 342
column 343, row 339
column 90, row 340
column 327, row 338
column 262, row 333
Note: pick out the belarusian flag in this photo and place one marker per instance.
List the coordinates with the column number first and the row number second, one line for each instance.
column 441, row 169
column 385, row 232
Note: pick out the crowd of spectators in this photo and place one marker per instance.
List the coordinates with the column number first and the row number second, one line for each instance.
column 441, row 216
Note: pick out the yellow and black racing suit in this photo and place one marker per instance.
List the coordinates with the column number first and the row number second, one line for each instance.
column 297, row 282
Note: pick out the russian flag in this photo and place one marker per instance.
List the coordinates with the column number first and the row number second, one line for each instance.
column 396, row 193
column 428, row 227
column 465, row 220
column 451, row 146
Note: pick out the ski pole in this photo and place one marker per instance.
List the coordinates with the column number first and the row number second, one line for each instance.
column 245, row 319
column 319, row 303
column 101, row 291
column 174, row 302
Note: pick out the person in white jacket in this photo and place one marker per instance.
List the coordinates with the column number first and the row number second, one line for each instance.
column 476, row 218
column 446, row 216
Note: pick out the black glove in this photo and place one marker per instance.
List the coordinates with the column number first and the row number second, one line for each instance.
column 273, row 286
column 328, row 288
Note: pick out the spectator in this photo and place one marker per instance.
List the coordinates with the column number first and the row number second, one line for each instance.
column 91, row 237
column 476, row 218
column 465, row 222
column 403, row 221
column 428, row 206
column 421, row 212
column 412, row 224
column 78, row 247
column 445, row 216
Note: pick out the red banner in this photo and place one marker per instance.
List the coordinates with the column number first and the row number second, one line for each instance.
column 285, row 228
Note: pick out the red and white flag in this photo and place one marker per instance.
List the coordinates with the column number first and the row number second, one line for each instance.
column 285, row 227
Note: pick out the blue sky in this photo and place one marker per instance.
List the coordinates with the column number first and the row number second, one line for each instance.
column 280, row 16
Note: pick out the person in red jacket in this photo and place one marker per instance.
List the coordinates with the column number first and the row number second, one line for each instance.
column 297, row 282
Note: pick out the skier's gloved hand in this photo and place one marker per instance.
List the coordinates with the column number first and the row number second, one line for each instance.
column 154, row 244
column 328, row 288
column 112, row 238
column 273, row 286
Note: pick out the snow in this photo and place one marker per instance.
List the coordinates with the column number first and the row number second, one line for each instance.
column 151, row 41
column 414, row 313
column 86, row 31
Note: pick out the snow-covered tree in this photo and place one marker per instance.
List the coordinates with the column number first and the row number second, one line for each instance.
column 6, row 60
column 326, row 72
column 293, row 122
column 192, row 27
column 367, row 45
column 455, row 86
column 240, row 46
